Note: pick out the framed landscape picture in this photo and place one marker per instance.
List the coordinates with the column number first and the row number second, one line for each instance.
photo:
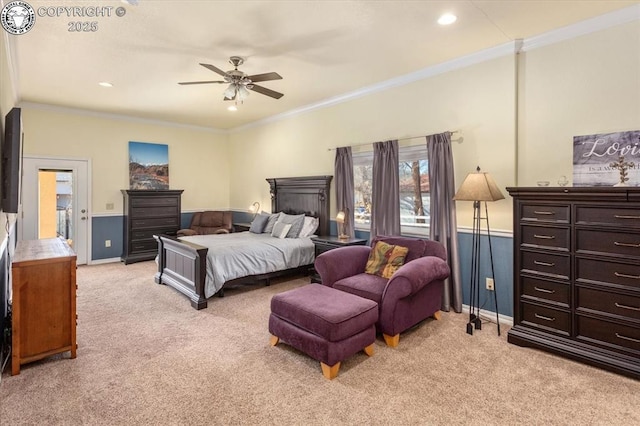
column 148, row 166
column 606, row 159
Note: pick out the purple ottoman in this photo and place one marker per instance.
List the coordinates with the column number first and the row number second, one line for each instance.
column 327, row 324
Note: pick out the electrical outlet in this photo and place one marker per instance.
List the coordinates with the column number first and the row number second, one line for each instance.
column 107, row 243
column 489, row 284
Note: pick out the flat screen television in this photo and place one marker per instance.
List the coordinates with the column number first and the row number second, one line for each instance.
column 11, row 171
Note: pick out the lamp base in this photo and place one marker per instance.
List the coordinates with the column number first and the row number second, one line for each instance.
column 343, row 237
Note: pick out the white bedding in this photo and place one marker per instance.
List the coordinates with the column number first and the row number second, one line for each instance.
column 241, row 254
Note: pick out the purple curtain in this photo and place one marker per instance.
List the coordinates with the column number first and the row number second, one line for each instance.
column 443, row 226
column 385, row 209
column 344, row 187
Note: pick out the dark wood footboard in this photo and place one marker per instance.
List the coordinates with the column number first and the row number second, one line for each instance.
column 182, row 265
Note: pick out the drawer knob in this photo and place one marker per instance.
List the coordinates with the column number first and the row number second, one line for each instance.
column 544, row 212
column 537, row 262
column 544, row 290
column 623, row 337
column 542, row 317
column 617, row 243
column 635, row 277
column 625, row 216
column 544, row 237
column 631, row 308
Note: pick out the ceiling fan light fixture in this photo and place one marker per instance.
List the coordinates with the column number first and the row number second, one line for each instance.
column 447, row 19
column 230, row 92
column 242, row 93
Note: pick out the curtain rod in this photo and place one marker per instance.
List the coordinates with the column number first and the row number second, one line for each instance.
column 399, row 139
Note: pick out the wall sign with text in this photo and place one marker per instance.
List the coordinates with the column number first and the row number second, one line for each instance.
column 599, row 160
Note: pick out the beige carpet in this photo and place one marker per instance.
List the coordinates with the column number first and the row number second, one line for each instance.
column 146, row 357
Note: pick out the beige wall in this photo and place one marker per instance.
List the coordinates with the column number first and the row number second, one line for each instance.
column 198, row 160
column 478, row 100
column 583, row 86
column 589, row 84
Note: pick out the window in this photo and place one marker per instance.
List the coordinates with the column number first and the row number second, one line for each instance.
column 414, row 189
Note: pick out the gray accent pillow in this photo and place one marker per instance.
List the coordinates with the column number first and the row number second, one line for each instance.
column 280, row 229
column 259, row 223
column 296, row 222
column 273, row 218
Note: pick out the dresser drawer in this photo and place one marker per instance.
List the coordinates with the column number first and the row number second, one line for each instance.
column 141, row 234
column 546, row 318
column 627, row 307
column 143, row 245
column 554, row 265
column 161, row 222
column 608, row 242
column 545, row 237
column 614, row 216
column 608, row 272
column 545, row 213
column 154, row 201
column 144, row 212
column 613, row 335
column 545, row 290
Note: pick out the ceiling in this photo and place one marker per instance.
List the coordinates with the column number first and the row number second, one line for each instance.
column 322, row 49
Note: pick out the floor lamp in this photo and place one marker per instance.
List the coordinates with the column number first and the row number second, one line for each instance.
column 479, row 187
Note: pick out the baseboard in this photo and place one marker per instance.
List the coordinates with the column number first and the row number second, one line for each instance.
column 491, row 316
column 101, row 261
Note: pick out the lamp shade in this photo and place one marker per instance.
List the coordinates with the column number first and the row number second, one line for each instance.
column 255, row 207
column 340, row 217
column 478, row 186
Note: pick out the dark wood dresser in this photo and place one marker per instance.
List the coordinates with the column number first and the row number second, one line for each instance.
column 577, row 274
column 148, row 213
column 44, row 301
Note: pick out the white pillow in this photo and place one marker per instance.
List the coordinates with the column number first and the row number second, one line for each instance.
column 280, row 229
column 309, row 226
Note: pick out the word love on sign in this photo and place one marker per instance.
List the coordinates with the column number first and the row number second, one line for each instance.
column 594, row 155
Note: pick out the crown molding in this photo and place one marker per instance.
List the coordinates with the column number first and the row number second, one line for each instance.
column 462, row 62
column 10, row 54
column 588, row 26
column 113, row 116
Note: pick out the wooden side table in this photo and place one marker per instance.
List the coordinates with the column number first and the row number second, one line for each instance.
column 330, row 242
column 241, row 227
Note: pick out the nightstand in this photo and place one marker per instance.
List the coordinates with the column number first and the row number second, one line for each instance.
column 241, row 227
column 326, row 243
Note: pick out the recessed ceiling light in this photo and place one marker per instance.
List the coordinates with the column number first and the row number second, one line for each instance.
column 447, row 19
column 232, row 108
column 105, row 84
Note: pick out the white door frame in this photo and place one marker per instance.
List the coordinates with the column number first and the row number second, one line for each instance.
column 31, row 164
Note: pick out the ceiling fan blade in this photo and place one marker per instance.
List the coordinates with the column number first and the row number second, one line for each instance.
column 200, row 82
column 215, row 69
column 265, row 91
column 265, row 77
column 230, row 99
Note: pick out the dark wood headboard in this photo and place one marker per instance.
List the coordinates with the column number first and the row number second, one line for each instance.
column 307, row 194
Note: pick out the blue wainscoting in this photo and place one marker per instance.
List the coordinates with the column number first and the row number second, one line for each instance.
column 106, row 228
column 111, row 228
column 503, row 266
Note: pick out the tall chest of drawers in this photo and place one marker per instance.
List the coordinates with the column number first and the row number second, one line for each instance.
column 148, row 213
column 577, row 274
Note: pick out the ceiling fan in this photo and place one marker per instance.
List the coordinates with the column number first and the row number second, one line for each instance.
column 239, row 82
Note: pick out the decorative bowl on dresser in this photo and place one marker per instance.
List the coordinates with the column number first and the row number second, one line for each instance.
column 577, row 274
column 148, row 213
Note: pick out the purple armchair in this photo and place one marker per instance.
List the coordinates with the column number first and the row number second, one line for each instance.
column 411, row 295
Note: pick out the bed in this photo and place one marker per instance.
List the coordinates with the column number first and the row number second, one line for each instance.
column 188, row 264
